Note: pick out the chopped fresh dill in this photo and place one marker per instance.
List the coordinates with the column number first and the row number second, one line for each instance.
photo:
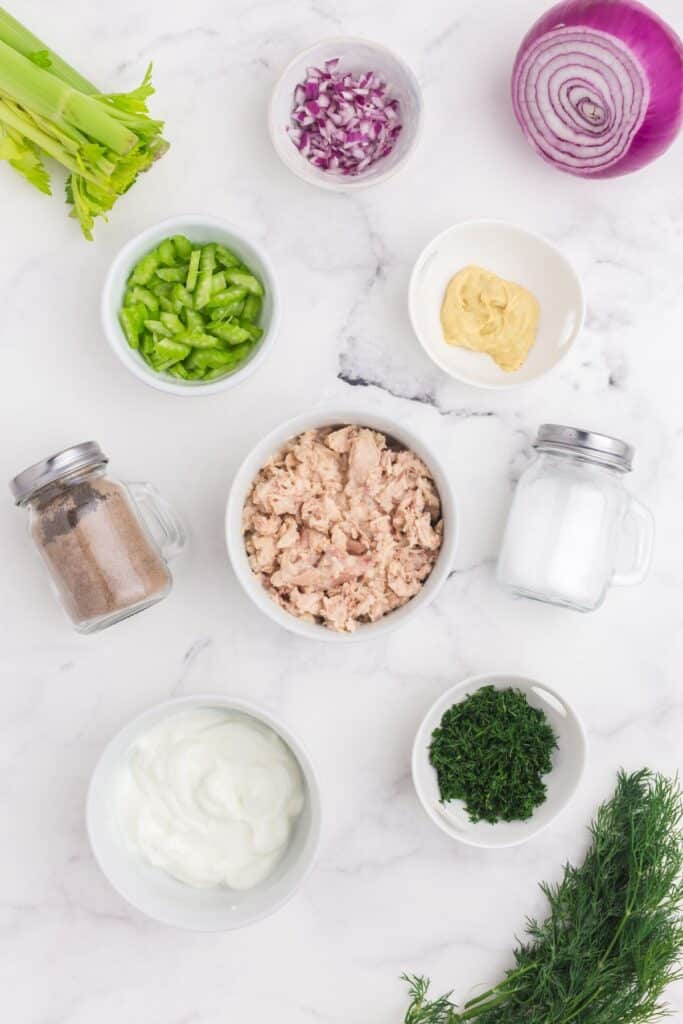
column 491, row 751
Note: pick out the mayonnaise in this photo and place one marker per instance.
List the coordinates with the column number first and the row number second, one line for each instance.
column 210, row 797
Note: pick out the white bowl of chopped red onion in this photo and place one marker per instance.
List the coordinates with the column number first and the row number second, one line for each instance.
column 345, row 114
column 432, row 562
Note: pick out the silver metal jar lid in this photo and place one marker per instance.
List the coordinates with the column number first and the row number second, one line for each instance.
column 48, row 471
column 608, row 451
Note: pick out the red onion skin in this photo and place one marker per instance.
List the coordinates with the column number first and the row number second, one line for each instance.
column 659, row 50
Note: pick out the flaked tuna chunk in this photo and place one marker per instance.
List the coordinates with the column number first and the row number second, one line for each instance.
column 426, row 535
column 401, row 581
column 266, row 526
column 364, row 456
column 336, row 568
column 342, row 527
column 320, row 513
column 304, row 603
column 338, row 613
column 264, row 552
column 289, row 533
column 340, row 440
column 313, row 540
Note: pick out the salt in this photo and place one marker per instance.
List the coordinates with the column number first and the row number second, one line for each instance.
column 563, row 532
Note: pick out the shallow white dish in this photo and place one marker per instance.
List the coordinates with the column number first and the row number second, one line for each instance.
column 198, row 229
column 569, row 761
column 271, row 444
column 516, row 255
column 158, row 895
column 356, row 55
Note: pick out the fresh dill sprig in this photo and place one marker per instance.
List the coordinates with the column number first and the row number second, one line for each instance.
column 421, row 1009
column 613, row 938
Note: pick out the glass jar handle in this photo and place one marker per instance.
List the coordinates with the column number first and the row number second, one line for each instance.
column 166, row 529
column 645, row 533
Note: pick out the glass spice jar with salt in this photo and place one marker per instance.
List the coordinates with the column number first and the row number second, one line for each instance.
column 570, row 520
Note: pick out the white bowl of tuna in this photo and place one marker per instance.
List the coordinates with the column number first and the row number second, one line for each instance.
column 341, row 524
column 204, row 813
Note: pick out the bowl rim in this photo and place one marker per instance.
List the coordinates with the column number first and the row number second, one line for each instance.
column 273, row 441
column 308, row 173
column 164, row 709
column 136, row 366
column 537, row 237
column 417, row 756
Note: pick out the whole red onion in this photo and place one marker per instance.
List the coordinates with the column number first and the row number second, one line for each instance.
column 597, row 86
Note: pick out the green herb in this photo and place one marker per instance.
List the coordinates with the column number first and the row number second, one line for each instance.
column 491, row 751
column 613, row 939
column 48, row 109
column 184, row 318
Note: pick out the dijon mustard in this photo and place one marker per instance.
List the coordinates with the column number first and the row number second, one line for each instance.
column 484, row 313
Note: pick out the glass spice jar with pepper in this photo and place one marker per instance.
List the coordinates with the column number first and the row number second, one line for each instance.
column 105, row 544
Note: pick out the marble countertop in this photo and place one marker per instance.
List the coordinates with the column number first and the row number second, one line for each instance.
column 389, row 892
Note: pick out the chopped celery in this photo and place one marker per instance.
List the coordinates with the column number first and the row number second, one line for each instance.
column 193, row 270
column 227, row 312
column 226, row 257
column 144, row 270
column 173, row 274
column 145, row 296
column 245, row 280
column 218, row 282
column 207, row 261
column 173, row 322
column 254, row 332
column 130, row 326
column 192, row 333
column 232, row 333
column 182, row 246
column 182, row 296
column 156, row 327
column 194, row 320
column 167, row 253
column 227, row 296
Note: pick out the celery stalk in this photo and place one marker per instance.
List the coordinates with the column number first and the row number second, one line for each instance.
column 24, row 42
column 47, row 107
column 24, row 157
column 32, row 87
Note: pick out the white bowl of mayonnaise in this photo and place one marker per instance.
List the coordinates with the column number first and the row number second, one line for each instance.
column 515, row 289
column 204, row 813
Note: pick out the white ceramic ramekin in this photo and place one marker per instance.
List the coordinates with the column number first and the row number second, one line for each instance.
column 158, row 895
column 569, row 763
column 517, row 255
column 355, row 55
column 269, row 446
column 198, row 229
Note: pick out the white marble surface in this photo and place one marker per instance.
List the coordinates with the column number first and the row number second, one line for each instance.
column 389, row 892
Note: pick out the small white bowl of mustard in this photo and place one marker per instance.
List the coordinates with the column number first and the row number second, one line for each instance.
column 518, row 264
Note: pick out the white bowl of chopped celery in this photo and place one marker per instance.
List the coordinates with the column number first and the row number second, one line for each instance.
column 190, row 306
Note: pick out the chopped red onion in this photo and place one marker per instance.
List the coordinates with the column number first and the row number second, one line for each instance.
column 341, row 122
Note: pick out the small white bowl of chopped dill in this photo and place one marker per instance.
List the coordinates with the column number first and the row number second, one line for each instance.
column 497, row 758
column 190, row 306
